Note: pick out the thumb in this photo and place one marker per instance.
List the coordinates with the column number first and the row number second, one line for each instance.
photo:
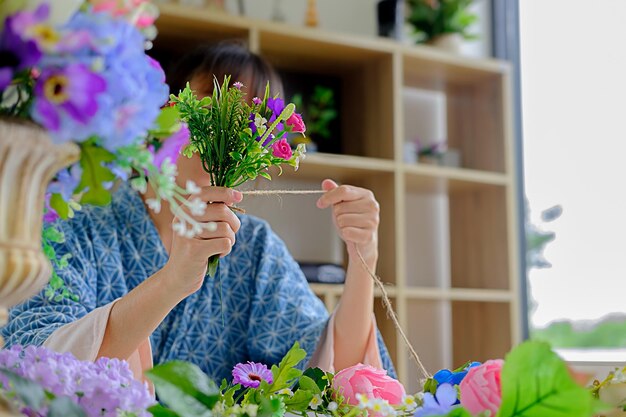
column 328, row 185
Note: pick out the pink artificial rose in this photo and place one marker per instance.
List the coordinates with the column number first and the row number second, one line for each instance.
column 481, row 389
column 282, row 149
column 296, row 123
column 373, row 382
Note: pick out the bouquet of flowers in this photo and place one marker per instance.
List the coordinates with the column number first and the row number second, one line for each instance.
column 532, row 381
column 39, row 382
column 238, row 141
column 257, row 391
column 80, row 72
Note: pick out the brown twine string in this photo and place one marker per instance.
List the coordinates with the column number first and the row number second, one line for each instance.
column 385, row 297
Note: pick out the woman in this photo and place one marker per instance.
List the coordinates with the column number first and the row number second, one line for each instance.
column 142, row 289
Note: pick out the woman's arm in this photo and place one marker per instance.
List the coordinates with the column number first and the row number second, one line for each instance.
column 135, row 316
column 356, row 216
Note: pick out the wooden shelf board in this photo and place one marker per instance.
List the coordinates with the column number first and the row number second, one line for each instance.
column 437, row 179
column 337, row 290
column 458, row 294
column 340, row 167
column 420, row 61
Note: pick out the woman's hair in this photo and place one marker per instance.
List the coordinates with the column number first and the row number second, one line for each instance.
column 219, row 60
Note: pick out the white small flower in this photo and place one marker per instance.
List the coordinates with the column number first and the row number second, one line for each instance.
column 259, row 122
column 315, row 402
column 364, row 402
column 154, row 204
column 618, row 377
column 419, row 397
column 381, row 407
column 409, row 402
column 251, row 410
column 210, row 227
column 285, row 391
column 196, row 207
column 332, row 406
column 168, row 169
column 179, row 228
column 191, row 187
column 139, row 184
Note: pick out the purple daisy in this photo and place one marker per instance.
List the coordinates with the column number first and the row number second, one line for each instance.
column 67, row 93
column 171, row 146
column 251, row 374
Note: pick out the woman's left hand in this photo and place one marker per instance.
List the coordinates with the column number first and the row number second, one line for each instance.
column 356, row 214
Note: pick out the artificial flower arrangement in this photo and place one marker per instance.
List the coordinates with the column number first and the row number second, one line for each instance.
column 79, row 71
column 531, row 382
column 237, row 140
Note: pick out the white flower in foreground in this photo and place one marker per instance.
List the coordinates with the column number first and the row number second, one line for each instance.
column 191, row 187
column 251, row 410
column 285, row 391
column 332, row 406
column 364, row 402
column 179, row 228
column 409, row 402
column 315, row 402
column 197, row 207
column 154, row 204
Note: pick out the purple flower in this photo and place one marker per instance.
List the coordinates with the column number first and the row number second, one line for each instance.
column 238, row 85
column 18, row 51
column 276, row 105
column 66, row 182
column 49, row 214
column 105, row 388
column 439, row 404
column 171, row 147
column 251, row 374
column 66, row 98
column 257, row 101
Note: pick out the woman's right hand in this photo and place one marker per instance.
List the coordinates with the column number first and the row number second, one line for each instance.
column 188, row 261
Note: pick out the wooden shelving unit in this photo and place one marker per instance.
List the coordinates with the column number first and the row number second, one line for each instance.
column 448, row 244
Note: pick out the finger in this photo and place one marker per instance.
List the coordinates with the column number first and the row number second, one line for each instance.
column 221, row 230
column 219, row 212
column 220, row 246
column 357, row 235
column 341, row 193
column 360, row 221
column 224, row 195
column 329, row 184
column 362, row 206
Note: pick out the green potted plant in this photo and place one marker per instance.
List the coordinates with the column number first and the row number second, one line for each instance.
column 441, row 23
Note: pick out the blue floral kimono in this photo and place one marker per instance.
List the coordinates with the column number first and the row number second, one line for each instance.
column 264, row 298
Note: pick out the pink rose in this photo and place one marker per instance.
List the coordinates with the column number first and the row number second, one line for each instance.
column 481, row 389
column 282, row 149
column 296, row 123
column 365, row 379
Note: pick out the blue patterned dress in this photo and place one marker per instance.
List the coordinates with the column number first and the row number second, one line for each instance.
column 265, row 300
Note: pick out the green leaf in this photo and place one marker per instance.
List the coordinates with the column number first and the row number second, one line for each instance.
column 167, row 123
column 229, row 395
column 308, row 384
column 265, row 175
column 158, row 410
column 65, row 407
column 95, row 174
column 459, row 412
column 214, row 263
column 300, row 401
column 319, row 376
column 535, row 382
column 60, row 206
column 29, row 392
column 184, row 388
column 285, row 372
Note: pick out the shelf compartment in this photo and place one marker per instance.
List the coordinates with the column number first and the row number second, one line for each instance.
column 458, row 294
column 428, row 329
column 468, row 119
column 363, row 80
column 480, row 331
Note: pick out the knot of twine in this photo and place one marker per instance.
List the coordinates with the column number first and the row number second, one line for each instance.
column 379, row 283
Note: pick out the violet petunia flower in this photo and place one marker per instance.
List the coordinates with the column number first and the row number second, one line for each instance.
column 441, row 403
column 66, row 98
column 251, row 374
column 17, row 50
column 172, row 146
